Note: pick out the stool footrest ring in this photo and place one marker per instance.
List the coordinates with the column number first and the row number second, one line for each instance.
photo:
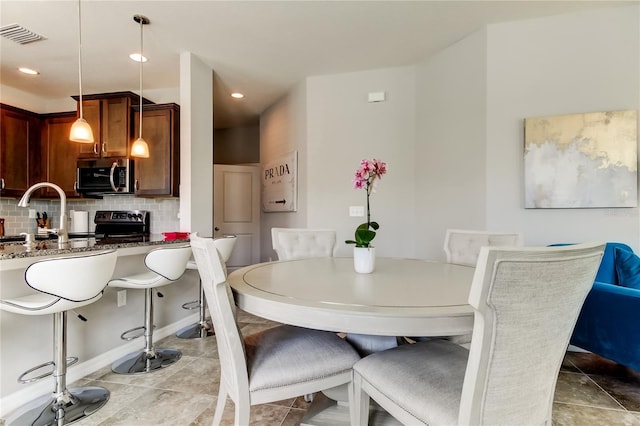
column 194, row 304
column 70, row 361
column 140, row 330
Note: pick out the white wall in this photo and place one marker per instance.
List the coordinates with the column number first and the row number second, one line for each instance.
column 452, row 132
column 580, row 62
column 283, row 129
column 196, row 145
column 450, row 161
column 328, row 120
column 342, row 129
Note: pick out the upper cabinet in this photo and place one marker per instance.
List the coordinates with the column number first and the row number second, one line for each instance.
column 36, row 147
column 19, row 137
column 109, row 115
column 158, row 175
column 58, row 154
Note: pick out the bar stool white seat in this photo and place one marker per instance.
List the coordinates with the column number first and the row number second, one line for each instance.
column 166, row 265
column 63, row 283
column 202, row 329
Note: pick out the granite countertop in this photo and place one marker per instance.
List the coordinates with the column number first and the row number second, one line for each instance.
column 16, row 250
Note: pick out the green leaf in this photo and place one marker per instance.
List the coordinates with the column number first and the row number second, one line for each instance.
column 365, row 232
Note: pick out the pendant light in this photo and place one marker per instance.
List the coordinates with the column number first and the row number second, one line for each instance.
column 80, row 130
column 140, row 148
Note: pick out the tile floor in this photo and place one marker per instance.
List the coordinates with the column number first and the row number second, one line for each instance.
column 590, row 391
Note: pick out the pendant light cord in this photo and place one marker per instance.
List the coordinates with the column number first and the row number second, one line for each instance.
column 141, row 56
column 80, row 56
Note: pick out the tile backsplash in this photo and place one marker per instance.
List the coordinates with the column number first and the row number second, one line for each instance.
column 164, row 212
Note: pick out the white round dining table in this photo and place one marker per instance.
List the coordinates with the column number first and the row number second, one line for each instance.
column 401, row 297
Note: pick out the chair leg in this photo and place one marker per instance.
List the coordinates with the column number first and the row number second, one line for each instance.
column 243, row 413
column 200, row 329
column 360, row 400
column 64, row 405
column 150, row 358
column 222, row 400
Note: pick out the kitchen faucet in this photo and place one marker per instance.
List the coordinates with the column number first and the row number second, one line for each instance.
column 63, row 237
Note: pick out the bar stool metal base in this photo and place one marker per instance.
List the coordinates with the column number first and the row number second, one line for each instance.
column 74, row 404
column 201, row 329
column 145, row 362
column 196, row 331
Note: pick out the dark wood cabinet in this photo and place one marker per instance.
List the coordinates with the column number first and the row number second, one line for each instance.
column 36, row 147
column 19, row 136
column 59, row 154
column 158, row 175
column 109, row 115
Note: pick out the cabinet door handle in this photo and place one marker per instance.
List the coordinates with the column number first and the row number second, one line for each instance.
column 104, row 147
column 136, row 186
column 95, row 148
column 1, row 183
column 75, row 186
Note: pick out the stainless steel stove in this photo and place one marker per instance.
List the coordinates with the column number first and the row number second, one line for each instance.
column 121, row 226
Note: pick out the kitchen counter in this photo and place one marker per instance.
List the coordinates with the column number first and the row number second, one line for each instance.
column 49, row 247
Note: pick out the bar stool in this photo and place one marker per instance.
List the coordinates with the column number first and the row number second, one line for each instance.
column 63, row 284
column 166, row 265
column 202, row 329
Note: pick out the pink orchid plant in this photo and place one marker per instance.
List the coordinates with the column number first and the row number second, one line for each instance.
column 365, row 178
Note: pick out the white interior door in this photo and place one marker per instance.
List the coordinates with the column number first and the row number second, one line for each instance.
column 236, row 211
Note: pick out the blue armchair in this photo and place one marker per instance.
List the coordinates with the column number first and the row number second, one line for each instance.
column 608, row 322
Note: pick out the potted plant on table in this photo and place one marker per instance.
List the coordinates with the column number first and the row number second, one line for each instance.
column 363, row 252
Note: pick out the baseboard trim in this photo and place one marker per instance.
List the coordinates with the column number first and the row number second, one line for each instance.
column 43, row 387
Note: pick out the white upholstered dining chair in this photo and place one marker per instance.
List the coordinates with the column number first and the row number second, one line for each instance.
column 278, row 363
column 462, row 246
column 526, row 302
column 303, row 243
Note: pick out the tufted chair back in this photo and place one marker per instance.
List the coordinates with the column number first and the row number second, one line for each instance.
column 303, row 243
column 462, row 246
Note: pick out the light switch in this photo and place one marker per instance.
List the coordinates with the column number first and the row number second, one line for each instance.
column 356, row 211
column 376, row 97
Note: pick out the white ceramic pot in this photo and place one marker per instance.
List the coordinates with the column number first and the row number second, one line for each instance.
column 364, row 259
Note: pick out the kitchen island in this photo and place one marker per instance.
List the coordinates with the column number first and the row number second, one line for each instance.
column 48, row 248
column 26, row 341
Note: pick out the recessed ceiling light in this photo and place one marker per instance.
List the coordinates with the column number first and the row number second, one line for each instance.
column 28, row 71
column 136, row 57
column 237, row 95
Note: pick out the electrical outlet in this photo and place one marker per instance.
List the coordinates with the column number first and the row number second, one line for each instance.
column 32, row 213
column 122, row 298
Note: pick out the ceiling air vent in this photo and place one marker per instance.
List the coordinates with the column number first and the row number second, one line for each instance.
column 19, row 34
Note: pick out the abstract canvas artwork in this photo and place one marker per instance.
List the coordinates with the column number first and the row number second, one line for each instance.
column 581, row 160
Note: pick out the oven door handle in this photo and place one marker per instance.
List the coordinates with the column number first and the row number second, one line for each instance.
column 113, row 170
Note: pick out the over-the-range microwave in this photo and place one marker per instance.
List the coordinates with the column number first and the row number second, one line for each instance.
column 106, row 176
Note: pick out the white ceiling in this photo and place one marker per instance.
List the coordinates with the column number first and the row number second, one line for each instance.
column 260, row 48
